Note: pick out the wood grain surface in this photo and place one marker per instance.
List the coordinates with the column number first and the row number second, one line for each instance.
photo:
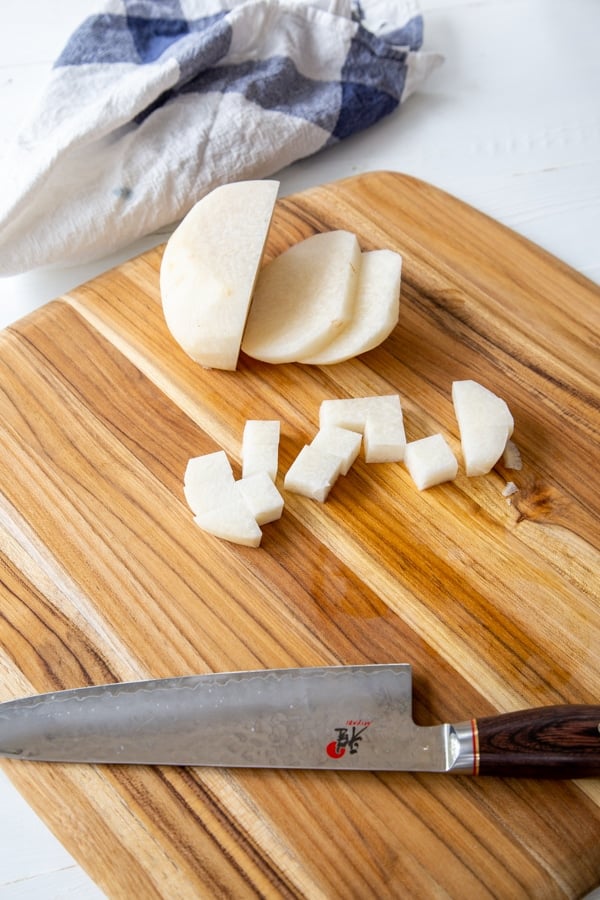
column 493, row 600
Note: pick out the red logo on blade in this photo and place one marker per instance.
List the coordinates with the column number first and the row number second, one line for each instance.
column 333, row 751
column 348, row 738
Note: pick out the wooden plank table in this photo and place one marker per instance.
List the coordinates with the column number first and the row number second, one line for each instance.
column 493, row 600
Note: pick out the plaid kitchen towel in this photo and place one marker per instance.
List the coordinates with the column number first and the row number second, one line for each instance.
column 153, row 103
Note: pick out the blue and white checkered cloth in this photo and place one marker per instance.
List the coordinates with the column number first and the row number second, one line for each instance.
column 153, row 103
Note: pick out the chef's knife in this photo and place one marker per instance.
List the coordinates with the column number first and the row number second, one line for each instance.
column 334, row 717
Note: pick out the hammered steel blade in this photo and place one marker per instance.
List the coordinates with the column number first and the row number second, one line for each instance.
column 338, row 717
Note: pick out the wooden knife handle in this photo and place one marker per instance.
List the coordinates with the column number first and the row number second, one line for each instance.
column 548, row 742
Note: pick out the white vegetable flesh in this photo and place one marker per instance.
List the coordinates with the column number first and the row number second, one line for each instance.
column 230, row 509
column 208, row 481
column 304, row 298
column 351, row 412
column 261, row 497
column 233, row 522
column 209, row 269
column 384, row 434
column 260, row 447
column 485, row 424
column 375, row 313
column 379, row 418
column 313, row 473
column 511, row 457
column 430, row 461
column 338, row 442
column 235, row 510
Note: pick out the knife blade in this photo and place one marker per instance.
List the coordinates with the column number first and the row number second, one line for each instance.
column 331, row 717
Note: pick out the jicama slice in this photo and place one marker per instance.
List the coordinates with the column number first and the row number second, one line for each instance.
column 303, row 298
column 376, row 309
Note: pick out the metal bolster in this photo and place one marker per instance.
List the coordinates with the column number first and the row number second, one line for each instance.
column 463, row 748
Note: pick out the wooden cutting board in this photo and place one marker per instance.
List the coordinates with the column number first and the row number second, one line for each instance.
column 493, row 599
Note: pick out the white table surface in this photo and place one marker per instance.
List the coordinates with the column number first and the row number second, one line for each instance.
column 510, row 124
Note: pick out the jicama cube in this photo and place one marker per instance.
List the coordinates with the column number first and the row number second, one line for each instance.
column 261, row 497
column 430, row 461
column 313, row 473
column 339, row 442
column 208, row 481
column 232, row 521
column 384, row 435
column 260, row 447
